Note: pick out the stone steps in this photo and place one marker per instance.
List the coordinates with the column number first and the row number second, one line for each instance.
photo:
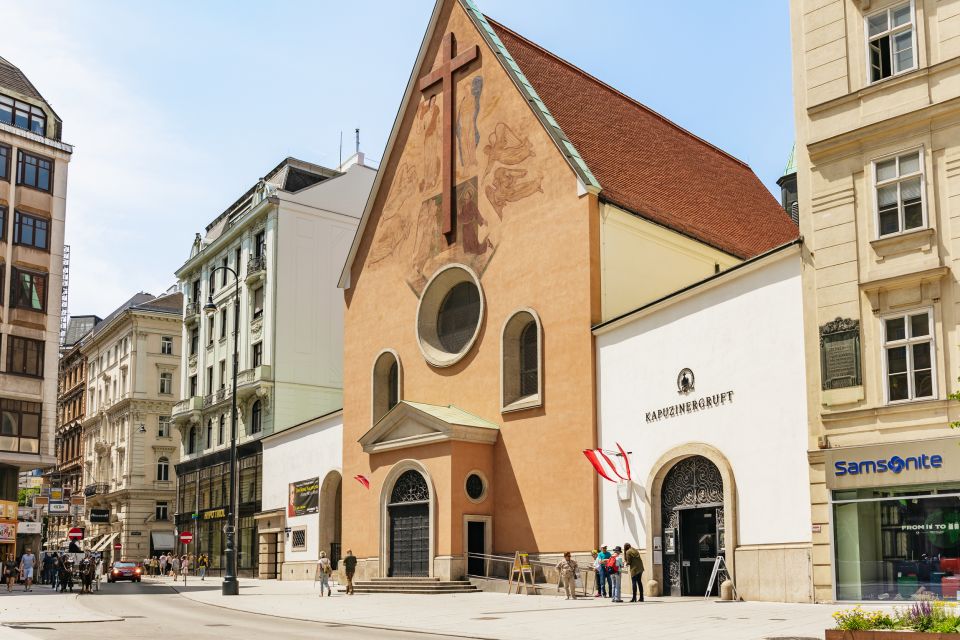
column 412, row 585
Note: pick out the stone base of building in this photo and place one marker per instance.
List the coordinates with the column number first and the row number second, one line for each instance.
column 775, row 573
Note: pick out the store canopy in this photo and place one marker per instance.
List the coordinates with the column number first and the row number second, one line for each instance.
column 106, row 542
column 163, row 540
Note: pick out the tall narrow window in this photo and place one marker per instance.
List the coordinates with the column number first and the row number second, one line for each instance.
column 192, row 441
column 223, row 323
column 209, row 433
column 908, row 356
column 209, row 379
column 163, row 426
column 220, row 429
column 166, row 383
column 393, row 385
column 899, row 184
column 890, row 42
column 3, row 223
column 259, row 244
column 255, row 417
column 4, row 162
column 194, row 341
column 223, row 374
column 522, row 355
column 193, row 385
column 223, row 272
column 258, row 302
column 386, row 384
column 166, row 345
column 34, row 171
column 30, row 231
column 163, row 469
column 258, row 354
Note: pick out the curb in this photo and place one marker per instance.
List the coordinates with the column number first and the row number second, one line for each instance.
column 76, row 598
column 341, row 623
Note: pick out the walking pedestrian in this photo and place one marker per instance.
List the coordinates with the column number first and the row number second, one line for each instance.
column 10, row 571
column 55, row 571
column 602, row 575
column 324, row 569
column 175, row 567
column 614, row 564
column 202, row 565
column 568, row 573
column 634, row 560
column 27, row 563
column 155, row 566
column 350, row 567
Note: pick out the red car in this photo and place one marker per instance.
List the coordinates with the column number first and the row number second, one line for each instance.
column 122, row 570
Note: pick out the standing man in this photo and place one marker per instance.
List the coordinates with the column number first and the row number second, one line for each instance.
column 635, row 562
column 350, row 566
column 568, row 573
column 603, row 575
column 614, row 565
column 27, row 563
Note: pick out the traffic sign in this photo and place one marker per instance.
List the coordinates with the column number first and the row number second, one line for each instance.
column 76, row 533
column 186, row 537
column 117, row 546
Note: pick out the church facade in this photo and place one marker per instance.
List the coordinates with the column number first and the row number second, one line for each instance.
column 520, row 202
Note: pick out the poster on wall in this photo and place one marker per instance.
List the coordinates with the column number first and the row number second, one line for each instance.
column 8, row 510
column 8, row 531
column 304, row 497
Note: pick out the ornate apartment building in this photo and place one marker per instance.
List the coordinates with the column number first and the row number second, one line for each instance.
column 284, row 239
column 129, row 445
column 33, row 189
column 876, row 85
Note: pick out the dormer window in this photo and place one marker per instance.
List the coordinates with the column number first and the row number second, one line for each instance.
column 23, row 115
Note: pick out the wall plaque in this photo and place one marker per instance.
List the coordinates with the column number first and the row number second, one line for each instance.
column 840, row 354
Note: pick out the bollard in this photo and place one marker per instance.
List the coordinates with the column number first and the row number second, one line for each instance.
column 726, row 590
column 653, row 588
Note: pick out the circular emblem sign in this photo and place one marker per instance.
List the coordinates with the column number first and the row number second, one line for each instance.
column 186, row 537
column 685, row 381
column 75, row 533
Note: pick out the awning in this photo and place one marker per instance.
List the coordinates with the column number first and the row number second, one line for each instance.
column 163, row 540
column 106, row 542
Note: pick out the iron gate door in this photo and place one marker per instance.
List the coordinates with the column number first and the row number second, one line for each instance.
column 410, row 540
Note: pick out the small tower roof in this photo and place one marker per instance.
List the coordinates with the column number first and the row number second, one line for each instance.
column 791, row 161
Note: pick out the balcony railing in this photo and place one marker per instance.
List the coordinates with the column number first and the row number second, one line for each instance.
column 187, row 406
column 97, row 488
column 249, row 380
column 256, row 264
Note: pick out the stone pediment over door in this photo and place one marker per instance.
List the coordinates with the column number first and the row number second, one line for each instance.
column 413, row 424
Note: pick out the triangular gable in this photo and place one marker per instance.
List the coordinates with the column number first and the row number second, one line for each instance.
column 587, row 181
column 410, row 424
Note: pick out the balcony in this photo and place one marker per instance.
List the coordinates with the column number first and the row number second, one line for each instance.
column 255, row 380
column 213, row 399
column 186, row 409
column 256, row 267
column 97, row 488
column 191, row 312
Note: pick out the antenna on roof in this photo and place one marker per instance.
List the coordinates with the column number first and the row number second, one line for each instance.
column 357, row 133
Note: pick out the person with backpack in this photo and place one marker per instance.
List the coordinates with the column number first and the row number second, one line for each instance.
column 324, row 569
column 613, row 565
column 202, row 565
column 633, row 559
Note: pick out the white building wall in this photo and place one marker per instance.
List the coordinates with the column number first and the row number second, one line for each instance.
column 744, row 335
column 311, row 451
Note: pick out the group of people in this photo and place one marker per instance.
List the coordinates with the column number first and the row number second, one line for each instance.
column 608, row 567
column 325, row 572
column 175, row 566
column 54, row 568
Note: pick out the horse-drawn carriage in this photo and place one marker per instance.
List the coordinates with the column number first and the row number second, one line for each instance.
column 77, row 569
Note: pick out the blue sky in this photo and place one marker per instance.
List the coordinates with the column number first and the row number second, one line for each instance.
column 176, row 108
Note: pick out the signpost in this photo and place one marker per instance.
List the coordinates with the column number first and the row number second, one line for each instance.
column 185, row 538
column 75, row 533
column 117, row 546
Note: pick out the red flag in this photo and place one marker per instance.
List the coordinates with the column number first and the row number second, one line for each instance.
column 592, row 457
column 626, row 461
column 610, row 462
column 362, row 480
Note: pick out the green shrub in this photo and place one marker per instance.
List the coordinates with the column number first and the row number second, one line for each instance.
column 857, row 619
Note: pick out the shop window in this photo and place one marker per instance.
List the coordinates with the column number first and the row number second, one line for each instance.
column 890, row 42
column 908, row 356
column 899, row 190
column 298, row 539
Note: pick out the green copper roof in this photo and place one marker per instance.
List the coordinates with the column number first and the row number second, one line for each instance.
column 452, row 415
column 539, row 107
column 791, row 161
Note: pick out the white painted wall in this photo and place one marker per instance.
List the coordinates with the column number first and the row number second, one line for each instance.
column 744, row 335
column 311, row 451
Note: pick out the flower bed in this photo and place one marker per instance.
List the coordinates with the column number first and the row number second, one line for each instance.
column 926, row 619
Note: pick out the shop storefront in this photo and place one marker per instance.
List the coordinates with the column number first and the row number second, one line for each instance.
column 896, row 520
column 202, row 497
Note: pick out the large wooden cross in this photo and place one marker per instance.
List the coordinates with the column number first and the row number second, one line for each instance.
column 450, row 63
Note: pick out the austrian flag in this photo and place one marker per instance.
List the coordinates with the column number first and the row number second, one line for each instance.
column 362, row 480
column 602, row 462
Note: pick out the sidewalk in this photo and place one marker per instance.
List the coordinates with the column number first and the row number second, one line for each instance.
column 43, row 604
column 514, row 617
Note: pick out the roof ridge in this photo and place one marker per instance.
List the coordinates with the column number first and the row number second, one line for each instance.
column 613, row 89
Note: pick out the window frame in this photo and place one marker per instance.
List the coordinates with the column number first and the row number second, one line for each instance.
column 18, row 217
column 5, row 162
column 256, row 417
column 296, row 532
column 166, row 345
column 40, row 348
column 890, row 33
column 166, row 376
column 15, row 292
column 908, row 342
column 877, row 185
column 161, row 510
column 21, row 157
column 163, row 426
column 163, row 469
column 256, row 354
column 12, row 406
column 3, row 222
column 511, row 365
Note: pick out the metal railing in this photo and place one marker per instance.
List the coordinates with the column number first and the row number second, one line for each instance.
column 256, row 263
column 96, row 488
column 191, row 309
column 545, row 574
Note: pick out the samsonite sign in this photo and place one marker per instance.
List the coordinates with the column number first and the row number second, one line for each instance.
column 902, row 463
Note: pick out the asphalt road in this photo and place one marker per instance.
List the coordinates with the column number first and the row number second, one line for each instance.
column 155, row 612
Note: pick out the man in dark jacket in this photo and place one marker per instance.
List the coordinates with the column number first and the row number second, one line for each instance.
column 633, row 559
column 350, row 567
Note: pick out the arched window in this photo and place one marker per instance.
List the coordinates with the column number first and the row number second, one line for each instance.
column 386, row 383
column 522, row 350
column 255, row 424
column 192, row 441
column 209, row 433
column 220, row 429
column 163, row 469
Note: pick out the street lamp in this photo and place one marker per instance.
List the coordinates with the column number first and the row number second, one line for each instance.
column 230, row 585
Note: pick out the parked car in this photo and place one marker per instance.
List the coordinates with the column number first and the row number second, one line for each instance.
column 123, row 570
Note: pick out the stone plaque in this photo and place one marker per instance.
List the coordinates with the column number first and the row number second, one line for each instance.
column 840, row 354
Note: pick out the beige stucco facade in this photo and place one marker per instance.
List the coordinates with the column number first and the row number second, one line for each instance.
column 850, row 122
column 130, row 445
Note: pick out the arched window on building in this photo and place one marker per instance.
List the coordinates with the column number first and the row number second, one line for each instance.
column 386, row 383
column 522, row 349
column 209, row 433
column 163, row 469
column 192, row 441
column 255, row 418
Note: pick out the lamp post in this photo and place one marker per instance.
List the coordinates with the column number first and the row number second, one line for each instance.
column 230, row 585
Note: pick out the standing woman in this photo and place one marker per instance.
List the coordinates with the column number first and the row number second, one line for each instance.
column 175, row 567
column 324, row 569
column 202, row 565
column 10, row 571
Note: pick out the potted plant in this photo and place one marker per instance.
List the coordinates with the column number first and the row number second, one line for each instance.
column 923, row 619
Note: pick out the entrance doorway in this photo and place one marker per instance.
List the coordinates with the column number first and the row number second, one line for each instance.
column 409, row 511
column 476, row 544
column 698, row 549
column 692, row 517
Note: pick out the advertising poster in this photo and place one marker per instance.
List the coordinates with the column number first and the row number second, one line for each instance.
column 304, row 497
column 8, row 531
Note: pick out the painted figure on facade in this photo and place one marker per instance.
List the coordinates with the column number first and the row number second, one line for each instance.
column 428, row 122
column 468, row 132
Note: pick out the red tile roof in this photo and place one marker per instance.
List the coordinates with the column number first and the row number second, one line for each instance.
column 651, row 166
